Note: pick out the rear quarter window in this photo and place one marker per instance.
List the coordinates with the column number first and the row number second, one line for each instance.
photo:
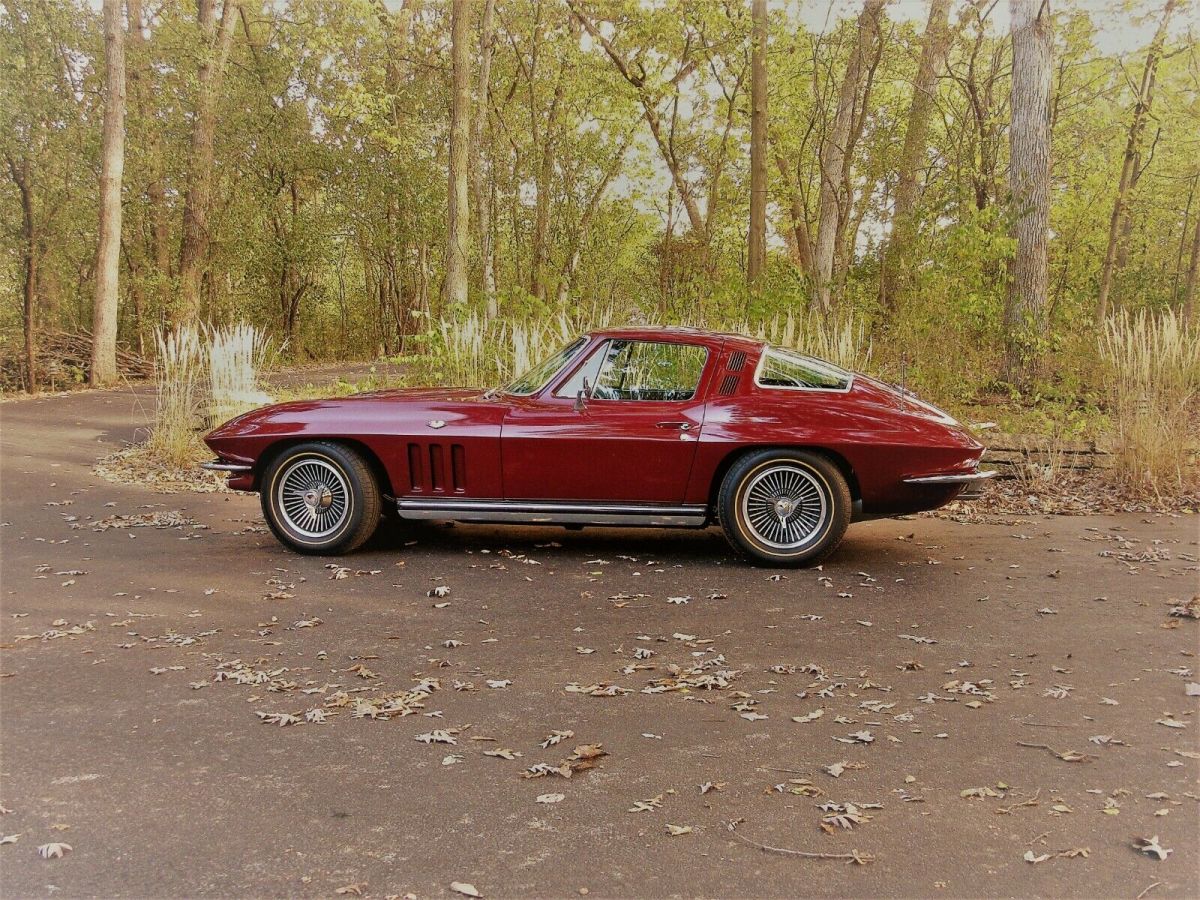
column 788, row 370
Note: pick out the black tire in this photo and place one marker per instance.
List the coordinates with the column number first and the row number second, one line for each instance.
column 321, row 498
column 784, row 507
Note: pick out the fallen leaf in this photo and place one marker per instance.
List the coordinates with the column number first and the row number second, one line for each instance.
column 1151, row 847
column 503, row 753
column 55, row 850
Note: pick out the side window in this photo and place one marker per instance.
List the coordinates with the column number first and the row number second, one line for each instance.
column 785, row 369
column 649, row 370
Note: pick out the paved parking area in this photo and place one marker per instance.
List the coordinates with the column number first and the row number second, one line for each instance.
column 944, row 702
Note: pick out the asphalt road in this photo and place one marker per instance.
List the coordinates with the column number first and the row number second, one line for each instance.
column 950, row 646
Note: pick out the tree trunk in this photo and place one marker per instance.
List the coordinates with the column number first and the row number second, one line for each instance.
column 1029, row 184
column 1141, row 110
column 575, row 250
column 843, row 242
column 756, row 257
column 800, row 241
column 834, row 158
column 140, row 78
column 541, row 219
column 912, row 157
column 112, row 165
column 29, row 256
column 483, row 180
column 1189, row 290
column 193, row 250
column 460, row 132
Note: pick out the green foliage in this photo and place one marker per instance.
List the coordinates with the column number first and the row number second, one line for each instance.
column 329, row 218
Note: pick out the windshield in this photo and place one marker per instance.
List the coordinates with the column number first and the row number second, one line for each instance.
column 534, row 379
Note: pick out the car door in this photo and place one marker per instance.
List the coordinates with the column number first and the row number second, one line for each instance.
column 632, row 440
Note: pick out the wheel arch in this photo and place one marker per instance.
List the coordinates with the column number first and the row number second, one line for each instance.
column 274, row 450
column 728, row 461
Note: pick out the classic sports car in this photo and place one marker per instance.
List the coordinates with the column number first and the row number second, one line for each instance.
column 627, row 426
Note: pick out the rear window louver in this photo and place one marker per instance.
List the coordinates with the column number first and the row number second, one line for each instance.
column 736, row 361
column 728, row 385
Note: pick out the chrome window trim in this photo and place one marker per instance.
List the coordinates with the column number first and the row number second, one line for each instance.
column 762, row 359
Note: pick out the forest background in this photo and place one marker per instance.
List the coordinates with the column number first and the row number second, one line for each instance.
column 995, row 202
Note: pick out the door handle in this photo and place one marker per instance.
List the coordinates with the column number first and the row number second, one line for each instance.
column 680, row 426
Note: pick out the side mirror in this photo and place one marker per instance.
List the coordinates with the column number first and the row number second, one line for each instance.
column 581, row 398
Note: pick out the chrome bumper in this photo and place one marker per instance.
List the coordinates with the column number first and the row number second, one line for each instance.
column 957, row 478
column 217, row 466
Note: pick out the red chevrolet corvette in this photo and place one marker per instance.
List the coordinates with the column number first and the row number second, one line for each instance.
column 630, row 426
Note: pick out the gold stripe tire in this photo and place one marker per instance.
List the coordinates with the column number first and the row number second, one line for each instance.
column 321, row 498
column 784, row 507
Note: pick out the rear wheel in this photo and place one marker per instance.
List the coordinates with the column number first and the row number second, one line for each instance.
column 784, row 507
column 321, row 498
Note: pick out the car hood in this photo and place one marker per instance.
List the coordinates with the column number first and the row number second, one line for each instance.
column 386, row 411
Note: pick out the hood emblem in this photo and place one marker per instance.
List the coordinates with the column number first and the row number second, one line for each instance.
column 436, row 423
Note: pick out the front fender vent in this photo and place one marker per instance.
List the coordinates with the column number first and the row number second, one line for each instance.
column 427, row 466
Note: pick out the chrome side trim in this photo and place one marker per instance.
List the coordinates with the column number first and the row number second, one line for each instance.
column 551, row 513
column 961, row 478
column 217, row 466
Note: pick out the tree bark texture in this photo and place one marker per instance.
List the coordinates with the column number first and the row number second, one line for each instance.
column 834, row 158
column 217, row 40
column 1029, row 183
column 112, row 165
column 934, row 45
column 756, row 256
column 457, row 234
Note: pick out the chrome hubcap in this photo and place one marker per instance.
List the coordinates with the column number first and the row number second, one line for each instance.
column 785, row 506
column 313, row 497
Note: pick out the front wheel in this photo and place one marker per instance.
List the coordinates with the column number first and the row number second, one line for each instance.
column 321, row 498
column 784, row 507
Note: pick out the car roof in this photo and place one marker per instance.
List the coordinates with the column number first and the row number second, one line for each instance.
column 676, row 333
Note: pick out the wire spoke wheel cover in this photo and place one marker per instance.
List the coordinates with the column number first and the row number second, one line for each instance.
column 785, row 506
column 313, row 497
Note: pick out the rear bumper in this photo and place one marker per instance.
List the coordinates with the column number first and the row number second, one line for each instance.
column 952, row 478
column 967, row 485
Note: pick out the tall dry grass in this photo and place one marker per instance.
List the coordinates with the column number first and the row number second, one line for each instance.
column 204, row 377
column 843, row 340
column 179, row 371
column 479, row 351
column 237, row 355
column 1152, row 365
